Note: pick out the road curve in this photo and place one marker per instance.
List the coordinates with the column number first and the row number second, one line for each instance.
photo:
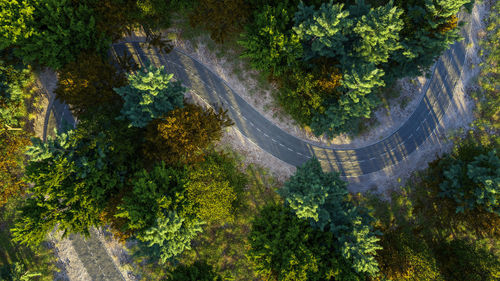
column 349, row 163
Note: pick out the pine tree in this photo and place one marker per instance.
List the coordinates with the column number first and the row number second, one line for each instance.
column 322, row 199
column 322, row 31
column 284, row 247
column 150, row 94
column 52, row 32
column 474, row 184
column 169, row 237
column 152, row 193
column 269, row 42
column 379, row 32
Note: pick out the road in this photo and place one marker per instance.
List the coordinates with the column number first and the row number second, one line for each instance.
column 350, row 163
column 295, row 151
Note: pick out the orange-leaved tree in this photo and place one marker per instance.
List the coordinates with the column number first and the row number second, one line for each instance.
column 182, row 136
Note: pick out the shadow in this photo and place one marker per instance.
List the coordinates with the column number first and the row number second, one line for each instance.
column 94, row 257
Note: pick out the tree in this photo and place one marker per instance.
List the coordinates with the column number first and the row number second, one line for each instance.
column 213, row 188
column 322, row 199
column 152, row 194
column 221, row 18
column 198, row 271
column 430, row 27
column 74, row 175
column 472, row 183
column 184, row 133
column 406, row 256
column 169, row 237
column 357, row 102
column 268, row 41
column 15, row 17
column 88, row 83
column 15, row 77
column 379, row 33
column 284, row 247
column 322, row 31
column 56, row 31
column 150, row 94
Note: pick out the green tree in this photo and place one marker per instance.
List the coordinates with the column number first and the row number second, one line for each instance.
column 152, row 193
column 378, row 31
column 322, row 30
column 56, row 31
column 150, row 94
column 474, row 183
column 74, row 175
column 169, row 237
column 15, row 17
column 88, row 83
column 284, row 247
column 322, row 198
column 430, row 27
column 183, row 135
column 213, row 189
column 14, row 79
column 357, row 102
column 269, row 41
column 198, row 271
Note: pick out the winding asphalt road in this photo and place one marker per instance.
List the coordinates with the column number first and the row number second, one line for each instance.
column 350, row 163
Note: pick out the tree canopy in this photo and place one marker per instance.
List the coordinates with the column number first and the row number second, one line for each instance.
column 183, row 135
column 150, row 94
column 284, row 247
column 322, row 198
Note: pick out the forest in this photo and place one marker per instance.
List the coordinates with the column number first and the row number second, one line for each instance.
column 146, row 164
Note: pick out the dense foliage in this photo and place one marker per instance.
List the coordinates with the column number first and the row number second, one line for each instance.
column 183, row 135
column 354, row 48
column 284, row 247
column 73, row 175
column 322, row 198
column 150, row 94
column 13, row 139
column 88, row 83
column 51, row 32
column 472, row 178
column 198, row 271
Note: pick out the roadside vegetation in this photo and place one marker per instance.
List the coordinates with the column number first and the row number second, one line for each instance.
column 144, row 162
